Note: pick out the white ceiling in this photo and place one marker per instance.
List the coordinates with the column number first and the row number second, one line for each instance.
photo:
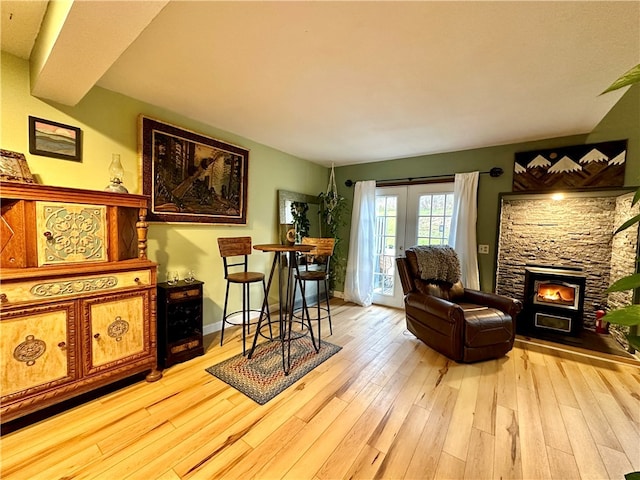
column 348, row 81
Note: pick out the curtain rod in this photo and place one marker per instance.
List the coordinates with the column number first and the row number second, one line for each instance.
column 494, row 172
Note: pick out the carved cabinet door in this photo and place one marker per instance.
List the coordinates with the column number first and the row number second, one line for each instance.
column 37, row 349
column 117, row 330
column 71, row 232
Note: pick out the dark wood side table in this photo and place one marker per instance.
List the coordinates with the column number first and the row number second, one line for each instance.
column 179, row 322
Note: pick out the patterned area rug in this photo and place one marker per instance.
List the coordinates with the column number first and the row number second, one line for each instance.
column 262, row 377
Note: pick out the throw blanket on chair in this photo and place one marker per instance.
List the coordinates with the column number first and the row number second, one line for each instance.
column 437, row 262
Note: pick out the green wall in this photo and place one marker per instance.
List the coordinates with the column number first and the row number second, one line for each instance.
column 109, row 123
column 622, row 122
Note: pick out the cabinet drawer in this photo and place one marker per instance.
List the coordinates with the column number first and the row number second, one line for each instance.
column 184, row 294
column 72, row 286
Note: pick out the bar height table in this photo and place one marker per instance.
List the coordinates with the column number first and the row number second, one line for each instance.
column 285, row 298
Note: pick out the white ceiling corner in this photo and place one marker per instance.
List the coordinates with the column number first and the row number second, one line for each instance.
column 20, row 25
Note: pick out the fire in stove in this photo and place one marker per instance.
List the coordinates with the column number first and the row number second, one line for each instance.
column 558, row 294
column 552, row 292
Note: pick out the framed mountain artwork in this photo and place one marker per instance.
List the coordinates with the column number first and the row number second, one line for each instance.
column 595, row 165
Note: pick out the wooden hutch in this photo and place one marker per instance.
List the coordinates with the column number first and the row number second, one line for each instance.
column 77, row 294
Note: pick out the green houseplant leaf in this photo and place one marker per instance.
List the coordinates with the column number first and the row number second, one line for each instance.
column 636, row 198
column 629, row 315
column 628, row 223
column 625, row 283
column 629, row 78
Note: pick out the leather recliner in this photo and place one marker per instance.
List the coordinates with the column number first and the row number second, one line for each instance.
column 462, row 324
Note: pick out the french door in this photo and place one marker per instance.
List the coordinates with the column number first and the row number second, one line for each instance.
column 406, row 216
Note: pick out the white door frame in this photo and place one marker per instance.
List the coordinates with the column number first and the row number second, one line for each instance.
column 406, row 234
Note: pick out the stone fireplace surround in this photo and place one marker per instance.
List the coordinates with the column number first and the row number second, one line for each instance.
column 576, row 231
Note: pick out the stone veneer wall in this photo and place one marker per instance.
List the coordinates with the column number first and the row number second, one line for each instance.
column 576, row 232
column 623, row 256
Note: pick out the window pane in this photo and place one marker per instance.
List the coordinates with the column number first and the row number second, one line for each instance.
column 447, row 227
column 449, row 209
column 388, row 285
column 392, row 206
column 425, row 205
column 390, row 227
column 423, row 226
column 437, row 227
column 390, row 246
column 438, row 204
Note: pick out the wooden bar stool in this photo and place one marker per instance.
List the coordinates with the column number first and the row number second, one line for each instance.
column 320, row 256
column 237, row 250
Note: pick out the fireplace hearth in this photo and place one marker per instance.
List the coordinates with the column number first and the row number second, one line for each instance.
column 537, row 231
column 553, row 300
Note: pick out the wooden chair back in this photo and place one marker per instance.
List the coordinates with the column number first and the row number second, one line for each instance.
column 323, row 246
column 322, row 252
column 235, row 247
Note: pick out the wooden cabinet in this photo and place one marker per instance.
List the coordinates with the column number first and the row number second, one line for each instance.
column 77, row 296
column 179, row 322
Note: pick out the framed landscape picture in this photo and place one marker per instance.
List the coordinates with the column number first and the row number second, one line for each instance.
column 191, row 177
column 53, row 139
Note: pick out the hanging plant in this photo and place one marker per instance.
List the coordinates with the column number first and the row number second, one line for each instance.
column 332, row 207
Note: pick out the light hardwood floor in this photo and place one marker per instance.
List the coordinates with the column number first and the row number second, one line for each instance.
column 385, row 406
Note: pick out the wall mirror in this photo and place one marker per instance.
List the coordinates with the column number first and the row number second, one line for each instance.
column 286, row 199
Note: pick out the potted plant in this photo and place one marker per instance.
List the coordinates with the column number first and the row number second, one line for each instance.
column 629, row 315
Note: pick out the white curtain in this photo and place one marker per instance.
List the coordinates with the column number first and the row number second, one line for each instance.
column 462, row 236
column 358, row 283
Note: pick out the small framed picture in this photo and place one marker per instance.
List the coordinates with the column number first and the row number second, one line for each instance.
column 53, row 139
column 14, row 168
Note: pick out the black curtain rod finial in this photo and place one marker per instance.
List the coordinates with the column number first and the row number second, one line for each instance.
column 496, row 172
column 349, row 183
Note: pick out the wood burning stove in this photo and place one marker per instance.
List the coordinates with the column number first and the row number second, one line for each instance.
column 553, row 300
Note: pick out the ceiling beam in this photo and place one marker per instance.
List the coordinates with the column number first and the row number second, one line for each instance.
column 79, row 41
